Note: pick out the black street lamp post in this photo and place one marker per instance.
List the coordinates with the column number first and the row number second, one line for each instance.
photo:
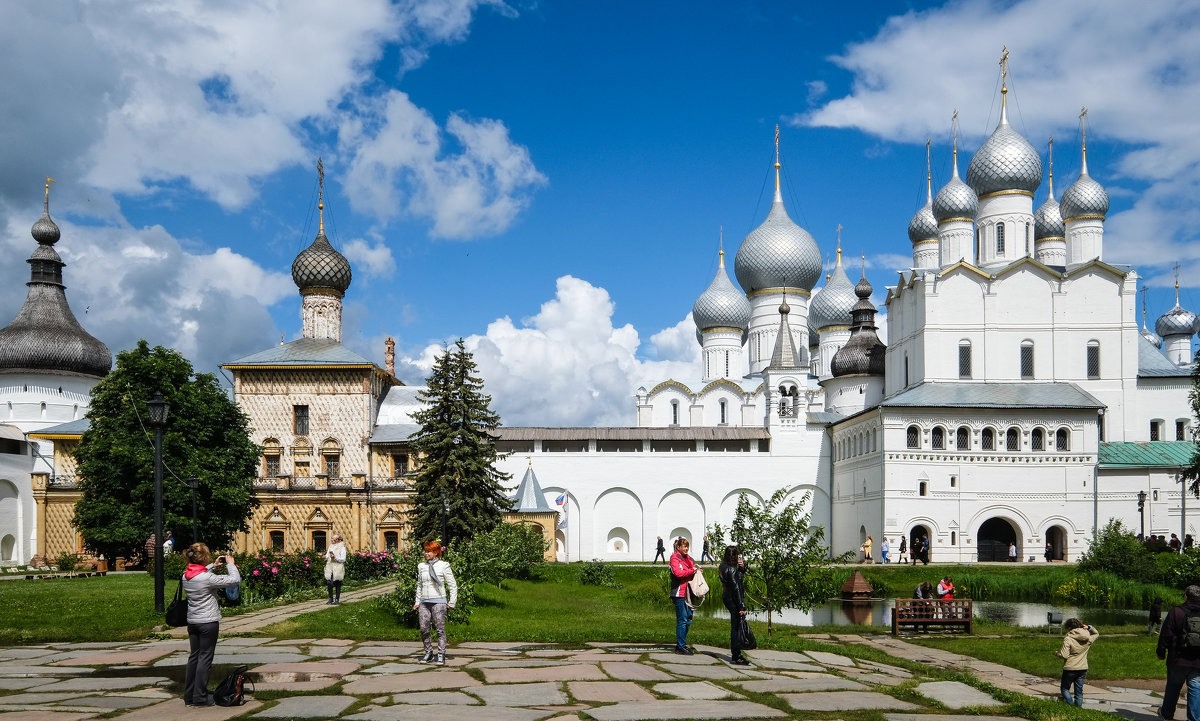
column 159, row 412
column 193, row 482
column 1142, row 511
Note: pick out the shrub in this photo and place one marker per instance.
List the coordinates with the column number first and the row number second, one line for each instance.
column 173, row 567
column 365, row 566
column 1115, row 551
column 1179, row 570
column 66, row 562
column 510, row 550
column 400, row 601
column 1085, row 591
column 597, row 573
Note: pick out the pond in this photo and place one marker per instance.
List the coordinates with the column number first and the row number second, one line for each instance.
column 879, row 613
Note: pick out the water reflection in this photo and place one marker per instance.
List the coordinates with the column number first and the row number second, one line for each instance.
column 879, row 613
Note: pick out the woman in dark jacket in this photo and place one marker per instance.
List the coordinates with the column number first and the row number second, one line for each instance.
column 733, row 593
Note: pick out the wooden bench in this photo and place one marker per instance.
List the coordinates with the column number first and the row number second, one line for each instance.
column 922, row 614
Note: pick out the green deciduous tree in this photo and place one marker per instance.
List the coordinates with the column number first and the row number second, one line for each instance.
column 1191, row 472
column 787, row 560
column 206, row 436
column 1116, row 551
column 457, row 454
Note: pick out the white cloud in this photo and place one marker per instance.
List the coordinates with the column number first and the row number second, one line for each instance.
column 569, row 365
column 373, row 260
column 1132, row 64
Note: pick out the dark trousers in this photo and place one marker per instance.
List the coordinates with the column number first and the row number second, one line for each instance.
column 662, row 555
column 203, row 640
column 334, row 586
column 735, row 635
column 1177, row 678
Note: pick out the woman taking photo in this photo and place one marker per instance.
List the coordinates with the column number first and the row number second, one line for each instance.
column 204, row 618
column 437, row 591
column 683, row 569
column 733, row 593
column 335, row 569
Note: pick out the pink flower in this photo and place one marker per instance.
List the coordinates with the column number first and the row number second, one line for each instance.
column 274, row 570
column 256, row 572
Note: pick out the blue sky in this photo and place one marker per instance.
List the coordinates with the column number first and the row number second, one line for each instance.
column 548, row 180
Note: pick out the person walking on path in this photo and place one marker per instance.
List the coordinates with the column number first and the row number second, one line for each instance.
column 1183, row 658
column 1049, row 554
column 1012, row 552
column 204, row 618
column 168, row 545
column 733, row 594
column 683, row 569
column 662, row 551
column 866, row 550
column 1077, row 641
column 885, row 549
column 335, row 569
column 1155, row 614
column 705, row 555
column 903, row 549
column 437, row 592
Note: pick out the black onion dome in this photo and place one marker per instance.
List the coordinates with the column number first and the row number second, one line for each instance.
column 863, row 352
column 321, row 266
column 45, row 335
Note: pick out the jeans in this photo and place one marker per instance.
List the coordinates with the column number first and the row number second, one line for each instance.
column 683, row 621
column 435, row 614
column 203, row 640
column 1177, row 676
column 1076, row 679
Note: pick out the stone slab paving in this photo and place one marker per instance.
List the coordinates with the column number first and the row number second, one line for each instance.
column 307, row 707
column 696, row 690
column 627, row 671
column 955, row 695
column 573, row 672
column 174, row 709
column 841, row 701
column 393, row 667
column 714, row 673
column 791, row 684
column 522, row 694
column 450, row 698
column 608, row 691
column 698, row 659
column 829, row 659
column 401, row 683
column 450, row 713
column 634, row 711
column 46, row 716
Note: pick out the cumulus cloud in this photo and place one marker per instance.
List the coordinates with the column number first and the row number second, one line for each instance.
column 1132, row 65
column 569, row 365
column 373, row 260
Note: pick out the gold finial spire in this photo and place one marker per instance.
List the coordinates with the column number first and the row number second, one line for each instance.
column 46, row 203
column 1176, row 285
column 1144, row 290
column 529, row 459
column 864, row 264
column 1051, row 145
column 320, row 197
column 777, row 159
column 281, row 337
column 954, row 134
column 839, row 246
column 721, row 246
column 928, row 173
column 1004, row 78
column 1083, row 121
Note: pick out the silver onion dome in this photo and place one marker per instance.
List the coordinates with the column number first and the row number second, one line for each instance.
column 45, row 335
column 832, row 305
column 923, row 225
column 1084, row 198
column 1047, row 221
column 721, row 305
column 1005, row 161
column 955, row 200
column 1177, row 321
column 778, row 254
column 1154, row 340
column 321, row 266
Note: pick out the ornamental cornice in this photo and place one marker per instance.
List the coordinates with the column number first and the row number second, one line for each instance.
column 1083, row 217
column 998, row 193
column 671, row 384
column 1014, row 457
column 778, row 291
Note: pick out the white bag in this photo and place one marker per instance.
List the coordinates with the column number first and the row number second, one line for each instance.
column 697, row 589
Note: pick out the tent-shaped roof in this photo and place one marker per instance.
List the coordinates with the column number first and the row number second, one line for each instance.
column 529, row 497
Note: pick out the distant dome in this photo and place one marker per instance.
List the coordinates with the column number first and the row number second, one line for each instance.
column 1005, row 161
column 1155, row 340
column 1047, row 221
column 778, row 254
column 320, row 266
column 1084, row 198
column 721, row 305
column 955, row 200
column 832, row 305
column 1177, row 321
column 923, row 225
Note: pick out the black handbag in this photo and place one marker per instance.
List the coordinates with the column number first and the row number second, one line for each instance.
column 747, row 641
column 177, row 611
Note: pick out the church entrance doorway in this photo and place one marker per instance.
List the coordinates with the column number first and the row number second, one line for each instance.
column 1056, row 536
column 918, row 538
column 995, row 536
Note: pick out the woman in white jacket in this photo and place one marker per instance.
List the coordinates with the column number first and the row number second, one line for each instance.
column 437, row 591
column 335, row 569
column 204, row 618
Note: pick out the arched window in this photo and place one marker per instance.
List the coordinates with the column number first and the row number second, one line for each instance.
column 1012, row 439
column 331, row 458
column 922, row 487
column 999, row 238
column 987, row 439
column 1062, row 440
column 722, row 405
column 874, row 440
column 914, row 437
column 674, row 413
column 1093, row 359
column 1181, row 429
column 1028, row 240
column 1027, row 359
column 964, row 359
column 1037, row 440
column 939, row 438
column 963, row 439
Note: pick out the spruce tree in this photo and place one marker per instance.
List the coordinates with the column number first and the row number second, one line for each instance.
column 457, row 452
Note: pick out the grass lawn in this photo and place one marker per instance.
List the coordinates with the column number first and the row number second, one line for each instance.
column 109, row 608
column 1113, row 657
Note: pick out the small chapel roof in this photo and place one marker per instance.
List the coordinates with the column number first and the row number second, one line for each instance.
column 1153, row 364
column 1149, row 454
column 70, row 429
column 304, row 352
column 529, row 497
column 993, row 395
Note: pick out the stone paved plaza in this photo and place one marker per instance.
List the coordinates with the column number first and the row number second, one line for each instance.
column 331, row 678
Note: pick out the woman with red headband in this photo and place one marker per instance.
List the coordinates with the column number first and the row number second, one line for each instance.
column 437, row 592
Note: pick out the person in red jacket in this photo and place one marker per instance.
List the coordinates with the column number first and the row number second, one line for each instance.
column 683, row 568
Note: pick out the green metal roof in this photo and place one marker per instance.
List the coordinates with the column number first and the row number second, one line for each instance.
column 1151, row 454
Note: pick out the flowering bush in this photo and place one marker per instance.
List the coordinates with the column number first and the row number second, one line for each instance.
column 365, row 566
column 269, row 574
